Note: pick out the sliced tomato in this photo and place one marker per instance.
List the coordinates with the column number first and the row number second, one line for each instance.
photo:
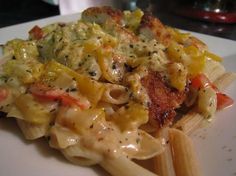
column 46, row 93
column 223, row 101
column 3, row 94
column 36, row 32
column 200, row 81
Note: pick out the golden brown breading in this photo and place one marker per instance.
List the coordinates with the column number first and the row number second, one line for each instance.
column 164, row 100
column 101, row 14
column 123, row 34
column 152, row 27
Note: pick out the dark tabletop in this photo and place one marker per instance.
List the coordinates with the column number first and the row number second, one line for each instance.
column 18, row 11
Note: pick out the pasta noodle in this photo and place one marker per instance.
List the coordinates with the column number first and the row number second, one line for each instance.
column 163, row 163
column 189, row 122
column 120, row 166
column 224, row 80
column 81, row 156
column 32, row 131
column 213, row 69
column 184, row 157
column 115, row 94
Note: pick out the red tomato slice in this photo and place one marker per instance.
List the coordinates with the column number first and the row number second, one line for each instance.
column 36, row 32
column 3, row 93
column 45, row 93
column 223, row 101
column 200, row 81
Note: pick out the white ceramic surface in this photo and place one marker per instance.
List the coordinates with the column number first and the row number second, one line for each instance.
column 215, row 144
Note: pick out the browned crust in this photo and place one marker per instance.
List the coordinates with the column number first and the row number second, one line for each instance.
column 164, row 100
column 114, row 14
column 156, row 27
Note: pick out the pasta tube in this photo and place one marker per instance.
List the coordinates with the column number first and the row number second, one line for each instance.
column 189, row 122
column 213, row 69
column 184, row 157
column 32, row 131
column 115, row 94
column 225, row 80
column 125, row 167
column 163, row 163
column 81, row 156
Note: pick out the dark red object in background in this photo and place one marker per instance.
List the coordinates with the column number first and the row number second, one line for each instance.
column 218, row 17
column 217, row 11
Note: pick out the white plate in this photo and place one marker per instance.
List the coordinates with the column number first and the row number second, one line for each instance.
column 215, row 144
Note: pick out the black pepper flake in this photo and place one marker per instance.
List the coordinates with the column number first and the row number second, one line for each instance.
column 131, row 95
column 14, row 58
column 120, row 142
column 67, row 90
column 91, row 126
column 113, row 66
column 52, row 110
column 131, row 46
column 48, row 138
column 149, row 53
column 126, row 106
column 137, row 140
column 100, row 139
column 92, row 73
column 128, row 68
column 28, row 71
column 73, row 79
column 73, row 89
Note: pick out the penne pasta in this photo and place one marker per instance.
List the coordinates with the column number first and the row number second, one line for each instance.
column 115, row 94
column 125, row 167
column 213, row 69
column 189, row 122
column 32, row 131
column 81, row 156
column 184, row 156
column 163, row 163
column 225, row 80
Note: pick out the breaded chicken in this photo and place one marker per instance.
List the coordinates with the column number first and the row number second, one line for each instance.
column 100, row 15
column 164, row 99
column 152, row 27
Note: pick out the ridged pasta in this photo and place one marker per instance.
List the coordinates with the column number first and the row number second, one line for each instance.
column 184, row 156
column 225, row 80
column 213, row 69
column 32, row 131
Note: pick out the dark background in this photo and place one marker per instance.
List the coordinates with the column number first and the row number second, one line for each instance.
column 18, row 11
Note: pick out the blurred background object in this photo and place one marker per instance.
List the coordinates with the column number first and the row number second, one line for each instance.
column 176, row 13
